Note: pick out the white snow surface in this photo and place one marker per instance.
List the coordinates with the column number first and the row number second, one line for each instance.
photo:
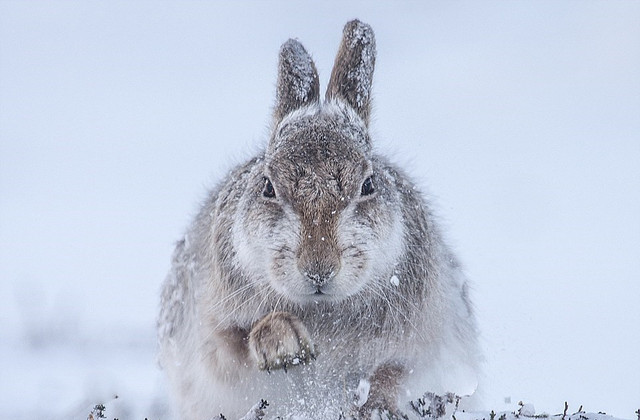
column 522, row 119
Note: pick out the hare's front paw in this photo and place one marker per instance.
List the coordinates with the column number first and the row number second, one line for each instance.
column 280, row 340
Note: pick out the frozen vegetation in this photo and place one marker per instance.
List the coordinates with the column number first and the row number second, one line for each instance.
column 429, row 407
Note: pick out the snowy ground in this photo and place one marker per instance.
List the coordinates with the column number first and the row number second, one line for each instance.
column 522, row 118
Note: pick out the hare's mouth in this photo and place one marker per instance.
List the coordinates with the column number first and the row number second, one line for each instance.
column 319, row 294
column 305, row 292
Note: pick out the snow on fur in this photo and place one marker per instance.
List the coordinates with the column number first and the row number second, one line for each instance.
column 352, row 75
column 302, row 73
column 360, row 35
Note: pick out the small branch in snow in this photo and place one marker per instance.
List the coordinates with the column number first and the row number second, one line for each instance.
column 429, row 407
column 256, row 412
column 97, row 412
column 528, row 410
column 432, row 406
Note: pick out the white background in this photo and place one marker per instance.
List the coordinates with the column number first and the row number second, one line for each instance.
column 522, row 119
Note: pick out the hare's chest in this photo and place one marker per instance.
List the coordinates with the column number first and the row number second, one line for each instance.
column 346, row 351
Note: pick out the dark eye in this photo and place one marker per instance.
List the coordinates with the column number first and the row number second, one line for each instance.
column 268, row 190
column 367, row 187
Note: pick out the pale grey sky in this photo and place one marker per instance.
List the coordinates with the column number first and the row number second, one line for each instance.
column 522, row 119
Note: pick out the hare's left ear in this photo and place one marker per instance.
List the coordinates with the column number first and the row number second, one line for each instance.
column 298, row 83
column 352, row 73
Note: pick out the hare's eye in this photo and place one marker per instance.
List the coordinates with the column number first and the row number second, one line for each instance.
column 367, row 187
column 268, row 190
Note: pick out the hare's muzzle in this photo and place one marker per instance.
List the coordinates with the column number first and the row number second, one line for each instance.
column 319, row 266
column 319, row 279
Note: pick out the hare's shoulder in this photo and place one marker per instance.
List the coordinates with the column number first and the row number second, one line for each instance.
column 179, row 285
column 414, row 203
column 227, row 192
column 175, row 295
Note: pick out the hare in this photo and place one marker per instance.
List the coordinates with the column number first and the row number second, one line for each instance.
column 315, row 276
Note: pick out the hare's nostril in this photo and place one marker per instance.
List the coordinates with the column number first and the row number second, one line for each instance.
column 319, row 279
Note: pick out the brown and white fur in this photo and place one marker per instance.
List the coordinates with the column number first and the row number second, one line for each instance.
column 314, row 275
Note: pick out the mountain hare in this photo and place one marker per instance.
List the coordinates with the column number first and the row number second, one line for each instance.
column 314, row 276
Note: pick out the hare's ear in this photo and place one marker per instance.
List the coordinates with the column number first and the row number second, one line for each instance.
column 298, row 83
column 352, row 73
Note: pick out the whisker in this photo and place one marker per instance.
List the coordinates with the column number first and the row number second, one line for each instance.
column 267, row 296
column 394, row 308
column 231, row 295
column 234, row 310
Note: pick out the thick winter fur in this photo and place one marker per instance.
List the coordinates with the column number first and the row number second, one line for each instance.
column 314, row 268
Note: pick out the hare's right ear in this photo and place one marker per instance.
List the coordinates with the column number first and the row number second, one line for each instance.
column 352, row 73
column 298, row 83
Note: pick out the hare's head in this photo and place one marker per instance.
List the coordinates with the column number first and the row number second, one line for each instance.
column 321, row 217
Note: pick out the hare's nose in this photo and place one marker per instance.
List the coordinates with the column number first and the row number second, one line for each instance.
column 319, row 279
column 319, row 255
column 320, row 272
